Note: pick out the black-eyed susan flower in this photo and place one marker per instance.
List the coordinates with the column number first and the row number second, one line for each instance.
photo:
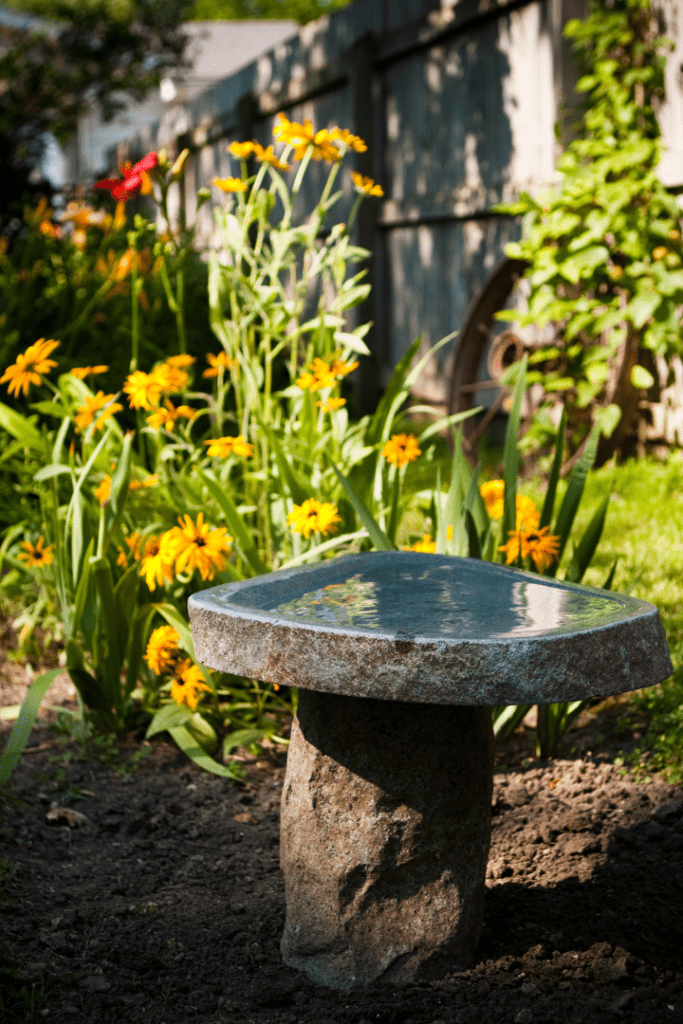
column 217, row 364
column 81, row 372
column 103, row 491
column 426, row 544
column 166, row 417
column 171, row 378
column 222, row 447
column 303, row 136
column 353, row 142
column 542, row 547
column 267, row 156
column 99, row 403
column 155, row 566
column 188, row 684
column 144, row 390
column 332, row 404
column 133, row 543
column 366, row 185
column 229, row 184
column 162, row 650
column 180, row 361
column 149, row 481
column 193, row 546
column 36, row 556
column 493, row 493
column 401, row 449
column 242, row 149
column 30, row 367
column 321, row 516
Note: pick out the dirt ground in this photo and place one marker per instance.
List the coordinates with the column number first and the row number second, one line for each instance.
column 155, row 895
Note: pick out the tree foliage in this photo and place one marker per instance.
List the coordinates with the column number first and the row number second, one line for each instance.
column 604, row 248
column 302, row 11
column 99, row 51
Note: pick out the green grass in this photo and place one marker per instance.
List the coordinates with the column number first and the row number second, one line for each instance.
column 644, row 533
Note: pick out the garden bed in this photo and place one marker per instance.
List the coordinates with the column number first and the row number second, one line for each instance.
column 165, row 903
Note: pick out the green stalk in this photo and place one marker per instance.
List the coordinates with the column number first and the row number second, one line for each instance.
column 135, row 331
column 393, row 518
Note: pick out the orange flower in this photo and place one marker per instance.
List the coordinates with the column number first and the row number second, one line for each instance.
column 167, row 417
column 86, row 371
column 86, row 413
column 222, row 447
column 29, row 367
column 401, row 449
column 218, row 364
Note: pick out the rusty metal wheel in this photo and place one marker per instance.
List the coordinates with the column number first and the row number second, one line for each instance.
column 486, row 347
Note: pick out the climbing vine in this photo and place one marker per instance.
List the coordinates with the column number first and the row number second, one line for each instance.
column 604, row 248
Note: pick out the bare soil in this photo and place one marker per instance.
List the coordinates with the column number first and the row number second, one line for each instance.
column 160, row 899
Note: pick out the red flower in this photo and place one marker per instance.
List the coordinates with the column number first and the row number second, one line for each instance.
column 131, row 178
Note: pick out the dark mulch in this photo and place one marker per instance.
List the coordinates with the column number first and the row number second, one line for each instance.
column 166, row 904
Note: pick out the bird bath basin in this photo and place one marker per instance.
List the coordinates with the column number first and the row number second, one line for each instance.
column 386, row 805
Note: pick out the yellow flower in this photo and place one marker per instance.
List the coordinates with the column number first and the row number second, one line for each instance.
column 168, row 416
column 103, row 491
column 221, row 447
column 352, row 141
column 162, row 650
column 313, row 515
column 528, row 516
column 544, row 549
column 171, row 379
column 615, row 272
column 401, row 449
column 149, row 481
column 29, row 366
column 144, row 390
column 155, row 566
column 340, row 369
column 660, row 252
column 366, row 185
column 86, row 371
column 426, row 544
column 229, row 184
column 187, row 685
column 35, row 555
column 302, row 136
column 133, row 542
column 267, row 156
column 217, row 364
column 674, row 234
column 180, row 361
column 242, row 149
column 86, row 413
column 321, row 375
column 332, row 404
column 194, row 546
column 46, row 228
column 492, row 494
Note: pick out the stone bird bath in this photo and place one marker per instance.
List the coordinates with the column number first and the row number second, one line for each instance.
column 386, row 805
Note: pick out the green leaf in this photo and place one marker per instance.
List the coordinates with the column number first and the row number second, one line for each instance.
column 549, row 503
column 641, row 378
column 506, row 720
column 25, row 722
column 245, row 738
column 169, row 716
column 641, row 307
column 234, row 521
column 18, row 426
column 378, row 537
column 607, row 419
column 511, row 456
column 48, row 472
column 376, row 427
column 189, row 746
column 297, row 487
column 574, row 493
column 584, row 551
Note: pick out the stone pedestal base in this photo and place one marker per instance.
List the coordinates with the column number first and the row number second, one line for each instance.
column 386, row 822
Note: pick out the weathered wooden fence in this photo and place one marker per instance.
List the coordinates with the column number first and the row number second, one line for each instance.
column 457, row 102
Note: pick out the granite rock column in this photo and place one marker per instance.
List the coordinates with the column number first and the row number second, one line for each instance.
column 386, row 823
